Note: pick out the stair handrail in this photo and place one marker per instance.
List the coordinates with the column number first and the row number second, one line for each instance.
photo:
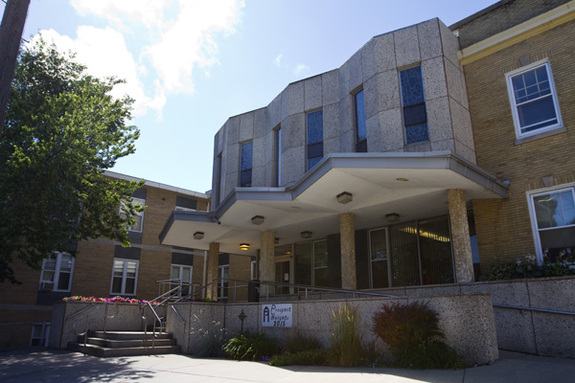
column 90, row 309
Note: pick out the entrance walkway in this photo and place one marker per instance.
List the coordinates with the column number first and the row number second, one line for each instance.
column 63, row 366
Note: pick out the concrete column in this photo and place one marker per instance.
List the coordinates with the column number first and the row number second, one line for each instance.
column 267, row 261
column 462, row 257
column 212, row 270
column 347, row 239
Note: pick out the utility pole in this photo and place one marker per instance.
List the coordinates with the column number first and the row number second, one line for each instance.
column 10, row 37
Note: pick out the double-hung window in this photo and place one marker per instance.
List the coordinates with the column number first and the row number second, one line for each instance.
column 57, row 272
column 138, row 217
column 314, row 138
column 247, row 150
column 413, row 105
column 124, row 277
column 533, row 99
column 553, row 217
column 360, row 125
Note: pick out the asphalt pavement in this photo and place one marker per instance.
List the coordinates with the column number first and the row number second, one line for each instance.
column 41, row 365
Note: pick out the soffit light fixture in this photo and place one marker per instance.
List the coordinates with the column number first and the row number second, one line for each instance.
column 401, row 179
column 344, row 197
column 244, row 246
column 306, row 234
column 393, row 217
column 257, row 220
column 199, row 235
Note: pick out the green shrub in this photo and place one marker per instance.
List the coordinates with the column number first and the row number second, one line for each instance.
column 248, row 346
column 526, row 266
column 317, row 357
column 211, row 336
column 299, row 343
column 413, row 335
column 346, row 342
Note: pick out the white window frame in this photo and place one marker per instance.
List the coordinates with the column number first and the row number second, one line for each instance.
column 514, row 107
column 139, row 217
column 533, row 215
column 124, row 277
column 182, row 282
column 40, row 334
column 52, row 284
column 222, row 281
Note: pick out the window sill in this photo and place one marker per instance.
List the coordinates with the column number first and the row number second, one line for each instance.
column 549, row 133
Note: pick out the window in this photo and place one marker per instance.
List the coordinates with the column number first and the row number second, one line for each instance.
column 186, row 204
column 314, row 138
column 278, row 155
column 124, row 277
column 224, row 271
column 138, row 217
column 246, row 164
column 553, row 217
column 533, row 99
column 413, row 104
column 40, row 334
column 57, row 272
column 183, row 275
column 360, row 127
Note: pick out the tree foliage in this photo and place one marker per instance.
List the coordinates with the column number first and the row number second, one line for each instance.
column 63, row 129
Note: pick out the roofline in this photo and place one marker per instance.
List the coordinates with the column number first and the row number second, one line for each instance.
column 156, row 185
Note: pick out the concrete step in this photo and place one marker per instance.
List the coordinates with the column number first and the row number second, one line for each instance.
column 95, row 350
column 125, row 343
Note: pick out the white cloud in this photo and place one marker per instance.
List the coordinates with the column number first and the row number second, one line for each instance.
column 278, row 60
column 301, row 69
column 155, row 45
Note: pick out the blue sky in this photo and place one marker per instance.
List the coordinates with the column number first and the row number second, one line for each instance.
column 191, row 64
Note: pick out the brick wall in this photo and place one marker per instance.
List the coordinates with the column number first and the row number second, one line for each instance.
column 503, row 226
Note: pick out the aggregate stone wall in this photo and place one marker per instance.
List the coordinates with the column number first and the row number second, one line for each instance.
column 466, row 319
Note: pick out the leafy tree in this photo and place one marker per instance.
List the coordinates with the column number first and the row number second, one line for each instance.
column 62, row 130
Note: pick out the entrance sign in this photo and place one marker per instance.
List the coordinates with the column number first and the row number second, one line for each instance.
column 277, row 315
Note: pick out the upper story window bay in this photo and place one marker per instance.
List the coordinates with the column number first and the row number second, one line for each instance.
column 413, row 105
column 314, row 122
column 360, row 124
column 533, row 99
column 246, row 160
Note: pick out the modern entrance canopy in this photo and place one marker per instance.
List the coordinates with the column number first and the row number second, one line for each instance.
column 407, row 185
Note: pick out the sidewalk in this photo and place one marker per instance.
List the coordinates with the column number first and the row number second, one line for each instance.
column 63, row 366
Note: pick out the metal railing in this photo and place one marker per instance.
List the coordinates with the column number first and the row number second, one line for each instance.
column 92, row 308
column 548, row 311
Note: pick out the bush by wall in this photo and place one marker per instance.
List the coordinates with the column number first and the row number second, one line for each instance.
column 413, row 335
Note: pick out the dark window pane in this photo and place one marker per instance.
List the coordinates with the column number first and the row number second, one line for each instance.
column 312, row 161
column 414, row 115
column 246, row 178
column 416, row 133
column 247, row 152
column 412, row 86
column 360, row 125
column 540, row 112
column 315, row 127
column 361, row 146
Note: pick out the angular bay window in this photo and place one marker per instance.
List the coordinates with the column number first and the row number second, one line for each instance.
column 314, row 138
column 533, row 99
column 553, row 217
column 57, row 272
column 413, row 105
column 124, row 277
column 360, row 125
column 247, row 150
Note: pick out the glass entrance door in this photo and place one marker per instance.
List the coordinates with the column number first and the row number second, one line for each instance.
column 283, row 276
column 379, row 259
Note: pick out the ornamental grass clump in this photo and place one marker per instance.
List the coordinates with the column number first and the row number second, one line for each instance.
column 346, row 341
column 414, row 338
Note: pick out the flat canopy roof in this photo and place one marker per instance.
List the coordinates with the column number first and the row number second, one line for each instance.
column 412, row 185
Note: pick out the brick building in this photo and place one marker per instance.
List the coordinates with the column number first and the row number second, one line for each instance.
column 103, row 268
column 518, row 58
